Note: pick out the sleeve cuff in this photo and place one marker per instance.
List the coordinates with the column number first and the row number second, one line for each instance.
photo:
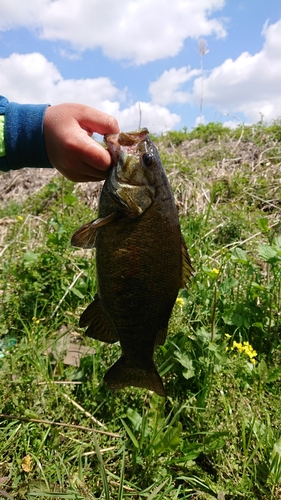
column 24, row 138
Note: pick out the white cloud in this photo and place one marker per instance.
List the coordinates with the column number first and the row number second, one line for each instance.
column 199, row 120
column 140, row 31
column 32, row 78
column 249, row 84
column 41, row 82
column 166, row 89
column 156, row 118
column 231, row 124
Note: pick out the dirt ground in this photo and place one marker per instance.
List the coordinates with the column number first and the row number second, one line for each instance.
column 17, row 185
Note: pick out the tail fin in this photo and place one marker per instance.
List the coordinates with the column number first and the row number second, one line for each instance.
column 122, row 374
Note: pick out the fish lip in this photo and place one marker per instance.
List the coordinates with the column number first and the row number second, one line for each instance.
column 126, row 138
column 132, row 138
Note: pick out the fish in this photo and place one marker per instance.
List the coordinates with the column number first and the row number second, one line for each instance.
column 141, row 260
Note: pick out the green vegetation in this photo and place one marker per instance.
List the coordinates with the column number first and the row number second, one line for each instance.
column 218, row 434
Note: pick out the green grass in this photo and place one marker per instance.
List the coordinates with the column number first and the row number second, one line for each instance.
column 218, row 434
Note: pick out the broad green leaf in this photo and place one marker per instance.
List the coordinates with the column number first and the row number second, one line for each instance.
column 227, row 285
column 186, row 361
column 262, row 370
column 277, row 447
column 77, row 293
column 135, row 418
column 69, row 199
column 268, row 254
column 274, row 375
column 258, row 325
column 275, row 460
column 239, row 255
column 169, row 441
column 258, row 287
column 233, row 318
column 263, row 224
column 193, row 452
column 30, row 257
column 215, row 441
column 277, row 243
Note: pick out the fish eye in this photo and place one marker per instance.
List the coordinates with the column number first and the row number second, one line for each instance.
column 147, row 159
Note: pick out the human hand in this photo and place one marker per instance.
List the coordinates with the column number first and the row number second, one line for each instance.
column 71, row 150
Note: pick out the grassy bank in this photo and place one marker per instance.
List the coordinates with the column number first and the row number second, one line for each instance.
column 218, row 434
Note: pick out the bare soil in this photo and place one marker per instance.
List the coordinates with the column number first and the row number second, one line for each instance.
column 18, row 185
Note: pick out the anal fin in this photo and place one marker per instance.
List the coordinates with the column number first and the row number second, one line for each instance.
column 99, row 326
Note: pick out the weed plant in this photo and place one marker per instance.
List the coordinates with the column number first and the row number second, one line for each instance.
column 63, row 435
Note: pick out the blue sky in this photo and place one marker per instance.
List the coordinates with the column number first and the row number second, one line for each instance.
column 144, row 54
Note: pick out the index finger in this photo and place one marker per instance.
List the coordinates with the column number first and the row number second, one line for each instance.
column 94, row 120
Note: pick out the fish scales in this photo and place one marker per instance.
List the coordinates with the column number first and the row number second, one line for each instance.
column 141, row 260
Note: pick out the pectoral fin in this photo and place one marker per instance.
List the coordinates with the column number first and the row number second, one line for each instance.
column 99, row 326
column 85, row 236
column 187, row 269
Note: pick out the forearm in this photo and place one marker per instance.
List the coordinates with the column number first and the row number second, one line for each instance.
column 23, row 136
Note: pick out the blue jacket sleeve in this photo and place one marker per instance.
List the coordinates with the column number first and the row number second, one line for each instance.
column 24, row 139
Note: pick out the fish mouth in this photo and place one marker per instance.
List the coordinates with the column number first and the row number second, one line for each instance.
column 122, row 147
column 124, row 142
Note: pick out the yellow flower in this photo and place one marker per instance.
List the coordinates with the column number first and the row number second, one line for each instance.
column 215, row 270
column 19, row 217
column 237, row 345
column 180, row 301
column 227, row 335
column 245, row 348
column 36, row 321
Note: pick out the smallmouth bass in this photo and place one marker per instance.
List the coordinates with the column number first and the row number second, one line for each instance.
column 141, row 258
